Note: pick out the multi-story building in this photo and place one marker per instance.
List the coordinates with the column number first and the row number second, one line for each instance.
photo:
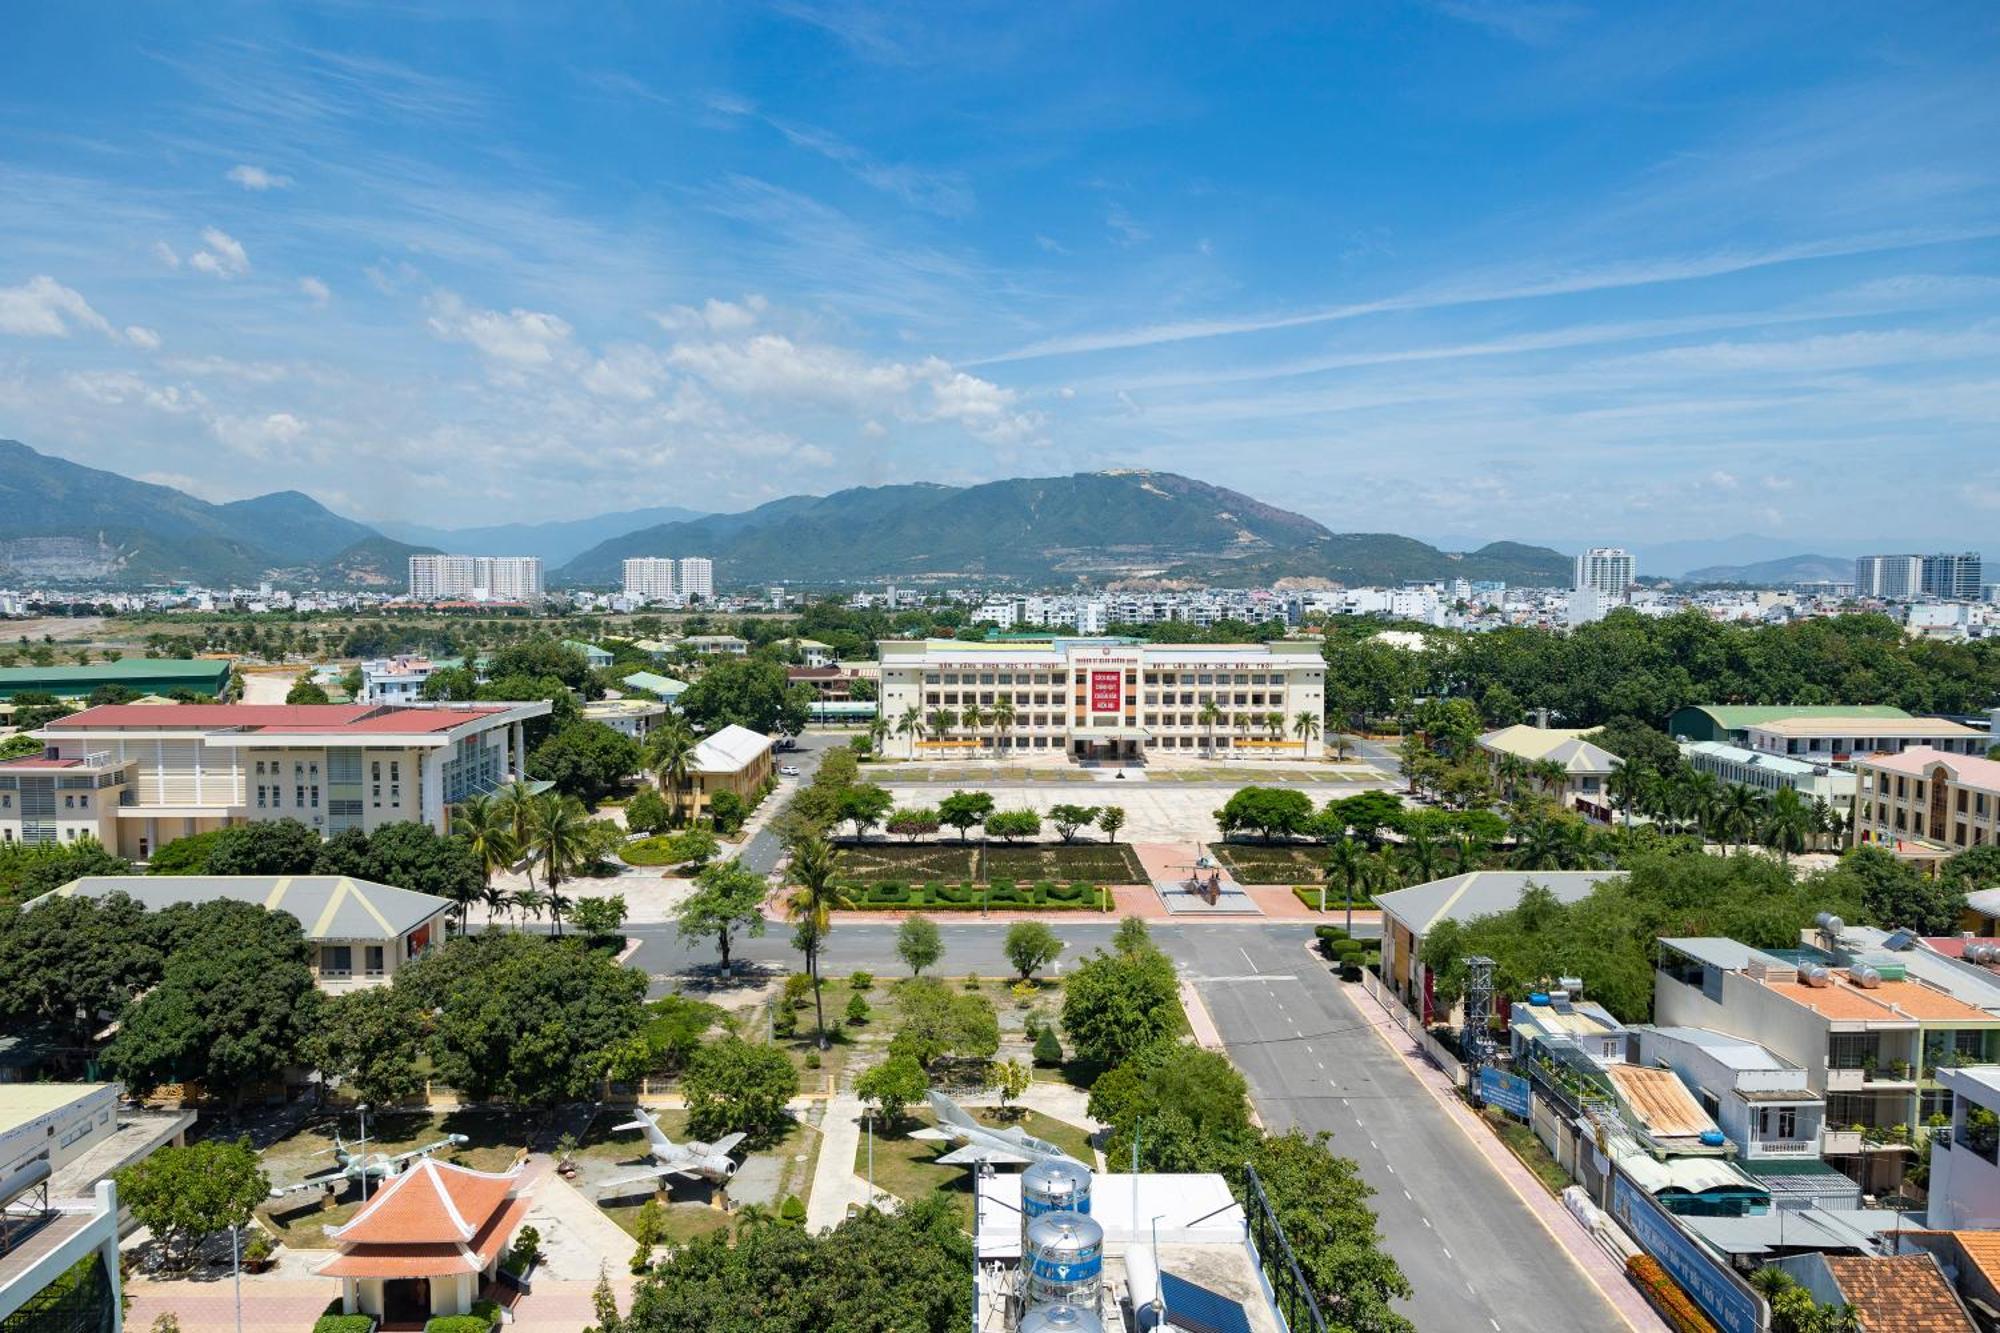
column 135, row 776
column 1964, row 1186
column 479, row 578
column 1844, row 740
column 1558, row 762
column 695, row 577
column 1104, row 698
column 1761, row 1100
column 1955, row 577
column 1771, row 772
column 400, row 679
column 1871, row 1027
column 650, row 578
column 1605, row 569
column 1888, row 576
column 1923, row 799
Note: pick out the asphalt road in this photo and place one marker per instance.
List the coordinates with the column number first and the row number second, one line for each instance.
column 1475, row 1256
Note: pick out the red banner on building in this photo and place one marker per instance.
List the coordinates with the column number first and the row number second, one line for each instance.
column 1107, row 691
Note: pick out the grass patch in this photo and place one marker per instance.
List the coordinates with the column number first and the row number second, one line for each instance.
column 1521, row 1141
column 981, row 862
column 1274, row 863
column 908, row 1169
column 299, row 1219
column 662, row 849
column 692, row 1216
column 1309, row 895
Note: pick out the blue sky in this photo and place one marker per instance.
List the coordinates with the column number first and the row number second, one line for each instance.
column 1463, row 270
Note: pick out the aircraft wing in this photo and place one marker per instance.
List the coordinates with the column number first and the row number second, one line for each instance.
column 646, row 1177
column 726, row 1143
column 972, row 1154
column 933, row 1135
column 309, row 1183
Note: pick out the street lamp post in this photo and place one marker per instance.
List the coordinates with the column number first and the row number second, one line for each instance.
column 363, row 1109
column 236, row 1268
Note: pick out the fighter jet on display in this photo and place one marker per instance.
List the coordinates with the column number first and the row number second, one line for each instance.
column 983, row 1146
column 352, row 1165
column 692, row 1161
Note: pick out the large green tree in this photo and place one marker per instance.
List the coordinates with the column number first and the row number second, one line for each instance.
column 936, row 1022
column 72, row 964
column 727, row 897
column 372, row 1042
column 185, row 1195
column 736, row 1086
column 1119, row 1003
column 587, row 760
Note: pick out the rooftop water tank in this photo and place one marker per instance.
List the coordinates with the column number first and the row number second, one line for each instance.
column 1864, row 976
column 1064, row 1258
column 1053, row 1187
column 1712, row 1138
column 1538, row 998
column 1813, row 974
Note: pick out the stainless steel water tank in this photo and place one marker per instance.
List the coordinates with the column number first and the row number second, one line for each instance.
column 1064, row 1259
column 1060, row 1319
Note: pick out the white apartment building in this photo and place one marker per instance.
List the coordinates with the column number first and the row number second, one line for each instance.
column 476, row 578
column 695, row 577
column 1888, row 576
column 1605, row 569
column 1771, row 772
column 650, row 578
column 137, row 776
column 1103, row 699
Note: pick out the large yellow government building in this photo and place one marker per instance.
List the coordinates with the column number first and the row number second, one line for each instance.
column 1102, row 699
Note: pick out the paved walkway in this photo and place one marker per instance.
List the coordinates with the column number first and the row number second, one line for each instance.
column 577, row 1238
column 835, row 1186
column 270, row 1305
column 1564, row 1230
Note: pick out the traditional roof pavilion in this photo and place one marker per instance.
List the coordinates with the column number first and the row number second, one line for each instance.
column 424, row 1244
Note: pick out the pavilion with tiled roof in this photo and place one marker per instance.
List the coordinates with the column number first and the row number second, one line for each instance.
column 423, row 1246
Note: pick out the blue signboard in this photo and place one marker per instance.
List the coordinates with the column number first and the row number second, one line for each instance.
column 1722, row 1295
column 1507, row 1091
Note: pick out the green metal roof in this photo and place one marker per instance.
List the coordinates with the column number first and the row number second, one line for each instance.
column 204, row 674
column 1736, row 716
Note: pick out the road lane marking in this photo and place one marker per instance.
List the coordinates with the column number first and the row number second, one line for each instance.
column 1247, row 958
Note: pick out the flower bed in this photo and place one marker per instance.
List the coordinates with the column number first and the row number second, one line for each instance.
column 964, row 896
column 948, row 862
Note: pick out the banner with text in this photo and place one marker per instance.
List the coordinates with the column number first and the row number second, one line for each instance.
column 1107, row 691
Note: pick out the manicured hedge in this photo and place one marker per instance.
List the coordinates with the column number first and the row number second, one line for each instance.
column 344, row 1323
column 1665, row 1296
column 894, row 895
column 457, row 1323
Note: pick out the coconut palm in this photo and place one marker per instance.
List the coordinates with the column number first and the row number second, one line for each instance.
column 1208, row 715
column 1700, row 795
column 972, row 717
column 1274, row 723
column 1348, row 863
column 942, row 720
column 1538, row 845
column 810, row 909
column 515, row 806
column 1306, row 726
column 670, row 757
column 563, row 843
column 1789, row 823
column 1003, row 720
column 1738, row 813
column 496, row 899
column 1420, row 858
column 528, row 903
column 911, row 723
column 480, row 821
column 1624, row 789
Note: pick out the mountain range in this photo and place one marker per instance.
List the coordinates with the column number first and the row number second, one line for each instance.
column 1781, row 573
column 65, row 522
column 1093, row 525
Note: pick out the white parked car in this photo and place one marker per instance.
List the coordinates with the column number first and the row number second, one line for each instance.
column 788, row 771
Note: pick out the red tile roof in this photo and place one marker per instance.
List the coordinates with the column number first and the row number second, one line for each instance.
column 431, row 1203
column 1904, row 1293
column 394, row 1261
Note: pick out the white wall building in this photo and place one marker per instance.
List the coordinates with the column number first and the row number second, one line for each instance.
column 1107, row 699
column 1771, row 772
column 650, row 578
column 476, row 578
column 1607, row 569
column 695, row 577
column 1888, row 576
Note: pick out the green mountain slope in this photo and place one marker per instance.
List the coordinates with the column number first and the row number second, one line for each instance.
column 1090, row 525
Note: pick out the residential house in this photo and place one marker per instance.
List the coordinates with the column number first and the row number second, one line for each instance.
column 590, row 652
column 719, row 645
column 1559, row 763
column 628, row 717
column 734, row 759
column 1900, row 1293
column 1964, row 1188
column 666, row 689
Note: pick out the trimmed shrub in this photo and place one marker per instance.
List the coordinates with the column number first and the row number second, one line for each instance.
column 1063, row 893
column 1330, row 932
column 857, row 1008
column 344, row 1323
column 1665, row 1296
column 487, row 1310
column 889, row 891
column 457, row 1323
column 862, row 980
column 784, row 1021
column 1048, row 1050
column 1350, row 970
column 798, row 990
column 792, row 1212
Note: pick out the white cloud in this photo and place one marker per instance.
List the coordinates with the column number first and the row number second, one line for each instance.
column 41, row 307
column 1721, row 480
column 142, row 337
column 165, row 254
column 518, row 337
column 1123, row 229
column 316, row 291
column 256, row 435
column 629, row 371
column 225, row 256
column 116, row 388
column 714, row 316
column 257, row 179
column 873, row 429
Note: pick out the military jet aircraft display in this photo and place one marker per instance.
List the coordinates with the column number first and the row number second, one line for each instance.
column 983, row 1146
column 691, row 1161
column 353, row 1165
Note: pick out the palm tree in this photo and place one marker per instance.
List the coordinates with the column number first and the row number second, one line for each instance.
column 1737, row 811
column 1275, row 724
column 562, row 842
column 516, row 808
column 1348, row 862
column 479, row 820
column 972, row 717
column 1420, row 857
column 1538, row 845
column 1623, row 788
column 911, row 724
column 1003, row 720
column 528, row 903
column 1789, row 824
column 878, row 731
column 496, row 899
column 1208, row 716
column 670, row 758
column 1306, row 726
column 942, row 721
column 1699, row 796
column 810, row 908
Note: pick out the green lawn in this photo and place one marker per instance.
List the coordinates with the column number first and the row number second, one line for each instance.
column 908, row 1169
column 950, row 862
column 1275, row 863
column 298, row 1219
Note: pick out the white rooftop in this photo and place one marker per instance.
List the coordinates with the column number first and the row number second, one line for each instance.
column 730, row 749
column 1728, row 1051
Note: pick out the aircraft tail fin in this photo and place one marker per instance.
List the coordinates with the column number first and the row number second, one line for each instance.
column 950, row 1112
column 644, row 1120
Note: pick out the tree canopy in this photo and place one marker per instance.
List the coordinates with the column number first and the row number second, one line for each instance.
column 736, row 1086
column 1116, row 1004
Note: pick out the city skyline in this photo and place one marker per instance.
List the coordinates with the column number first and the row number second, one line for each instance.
column 1538, row 273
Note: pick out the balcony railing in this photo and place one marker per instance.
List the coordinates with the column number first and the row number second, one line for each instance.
column 1784, row 1147
column 1836, row 1142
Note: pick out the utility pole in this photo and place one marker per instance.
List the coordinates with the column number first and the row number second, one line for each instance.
column 236, row 1268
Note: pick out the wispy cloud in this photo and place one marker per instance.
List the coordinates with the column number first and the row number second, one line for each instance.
column 256, row 179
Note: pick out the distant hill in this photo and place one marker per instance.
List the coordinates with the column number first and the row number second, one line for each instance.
column 62, row 521
column 556, row 542
column 1093, row 525
column 1782, row 573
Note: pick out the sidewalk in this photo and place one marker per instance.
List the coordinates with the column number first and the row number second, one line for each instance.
column 835, row 1186
column 1568, row 1234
